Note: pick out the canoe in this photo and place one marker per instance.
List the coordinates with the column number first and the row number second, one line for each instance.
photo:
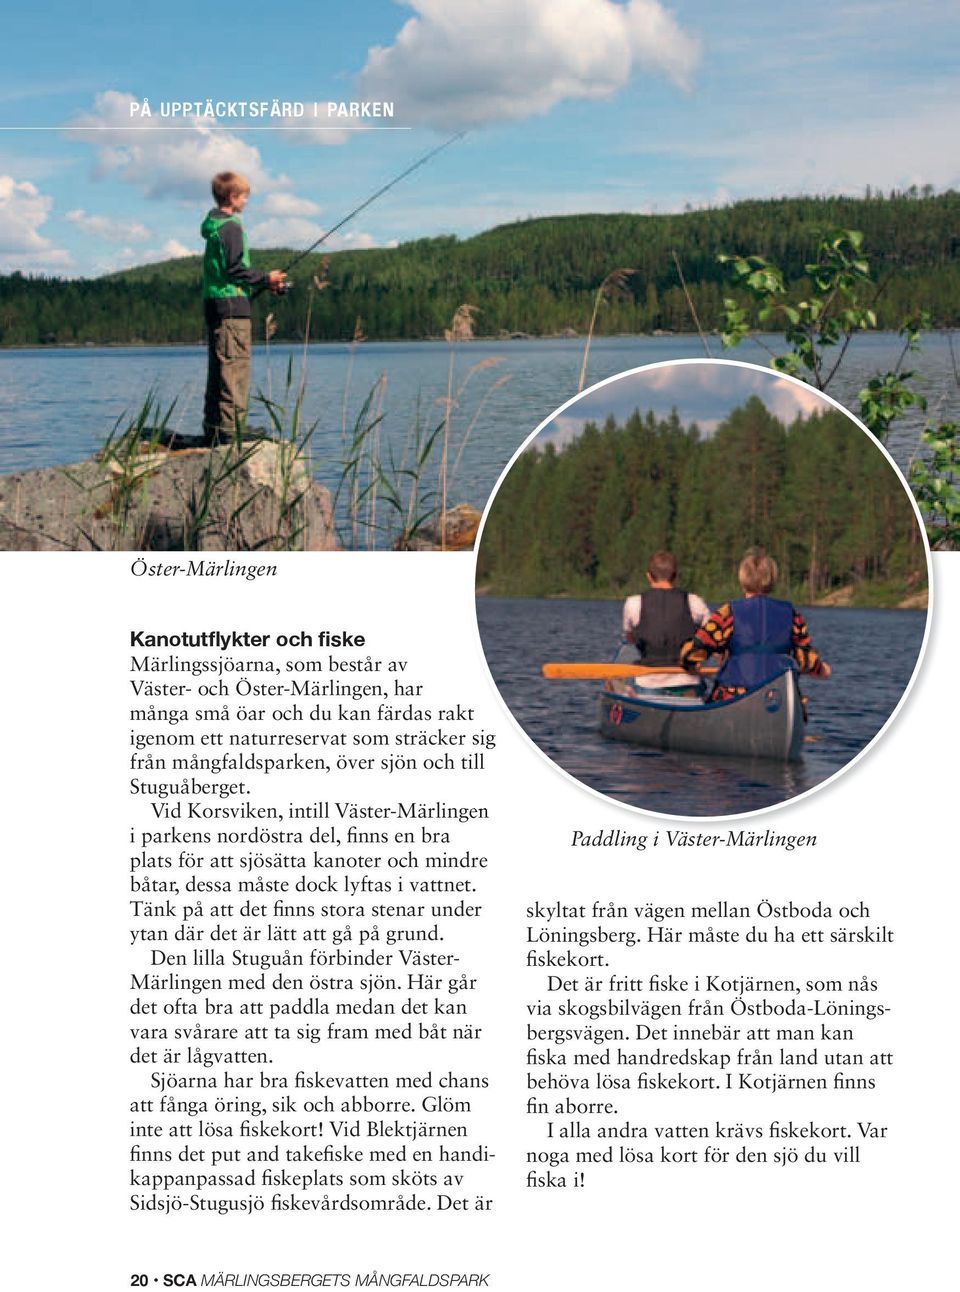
column 764, row 723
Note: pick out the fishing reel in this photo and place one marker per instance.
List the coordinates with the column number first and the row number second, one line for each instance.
column 285, row 287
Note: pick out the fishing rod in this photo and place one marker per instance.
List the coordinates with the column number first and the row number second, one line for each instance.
column 421, row 161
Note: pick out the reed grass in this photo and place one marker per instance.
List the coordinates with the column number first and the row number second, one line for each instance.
column 401, row 500
column 292, row 435
column 220, row 470
column 357, row 470
column 402, row 484
column 613, row 287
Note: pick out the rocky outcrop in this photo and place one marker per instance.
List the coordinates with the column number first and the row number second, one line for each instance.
column 838, row 597
column 456, row 531
column 242, row 497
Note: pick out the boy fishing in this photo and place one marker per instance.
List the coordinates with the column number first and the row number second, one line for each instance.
column 228, row 283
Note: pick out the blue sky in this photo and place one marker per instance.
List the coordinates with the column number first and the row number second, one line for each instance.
column 572, row 105
column 701, row 391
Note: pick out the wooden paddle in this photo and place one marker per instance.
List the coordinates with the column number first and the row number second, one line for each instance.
column 577, row 671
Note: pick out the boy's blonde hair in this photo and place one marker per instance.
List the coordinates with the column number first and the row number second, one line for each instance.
column 227, row 185
column 758, row 572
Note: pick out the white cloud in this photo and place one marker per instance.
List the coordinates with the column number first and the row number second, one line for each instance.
column 658, row 44
column 325, row 136
column 103, row 226
column 174, row 250
column 127, row 257
column 287, row 204
column 788, row 402
column 695, row 384
column 559, row 432
column 163, row 161
column 296, row 232
column 285, row 231
column 700, row 391
column 357, row 242
column 23, row 209
column 504, row 60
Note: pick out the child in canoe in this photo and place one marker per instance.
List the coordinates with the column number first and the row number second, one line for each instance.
column 656, row 623
column 759, row 635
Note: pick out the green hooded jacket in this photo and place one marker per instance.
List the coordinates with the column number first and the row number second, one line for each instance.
column 227, row 274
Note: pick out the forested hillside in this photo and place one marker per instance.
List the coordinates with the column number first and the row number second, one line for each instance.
column 535, row 276
column 583, row 519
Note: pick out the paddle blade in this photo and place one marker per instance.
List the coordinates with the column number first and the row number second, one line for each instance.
column 577, row 670
column 598, row 672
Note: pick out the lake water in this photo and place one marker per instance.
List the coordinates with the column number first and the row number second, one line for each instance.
column 872, row 653
column 57, row 406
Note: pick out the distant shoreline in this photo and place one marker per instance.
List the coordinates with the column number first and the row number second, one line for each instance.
column 298, row 345
column 493, row 339
column 915, row 601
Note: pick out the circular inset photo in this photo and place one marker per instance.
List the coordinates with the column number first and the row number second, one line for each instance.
column 702, row 588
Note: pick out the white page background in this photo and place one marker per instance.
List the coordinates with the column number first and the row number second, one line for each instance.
column 886, row 834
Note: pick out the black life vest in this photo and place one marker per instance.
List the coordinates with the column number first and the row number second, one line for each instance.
column 665, row 624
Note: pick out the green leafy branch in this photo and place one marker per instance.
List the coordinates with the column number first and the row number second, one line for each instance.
column 819, row 328
column 935, row 481
column 828, row 316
